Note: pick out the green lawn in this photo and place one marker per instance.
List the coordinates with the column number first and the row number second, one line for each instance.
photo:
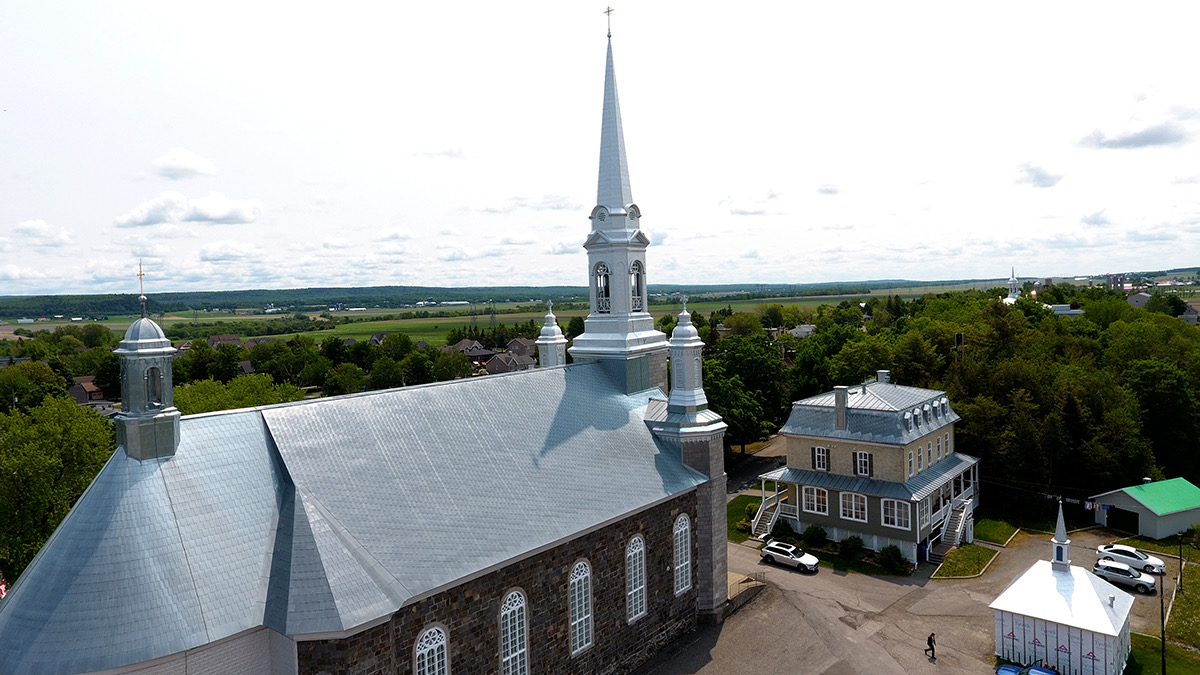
column 964, row 561
column 736, row 511
column 994, row 530
column 1145, row 657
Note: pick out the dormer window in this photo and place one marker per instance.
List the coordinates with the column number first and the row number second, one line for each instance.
column 908, row 421
column 603, row 292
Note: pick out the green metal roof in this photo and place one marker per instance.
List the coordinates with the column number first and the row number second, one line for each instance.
column 1166, row 496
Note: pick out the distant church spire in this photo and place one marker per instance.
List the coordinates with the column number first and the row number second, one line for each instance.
column 618, row 327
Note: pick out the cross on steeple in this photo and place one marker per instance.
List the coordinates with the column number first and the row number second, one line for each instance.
column 608, row 12
column 141, row 288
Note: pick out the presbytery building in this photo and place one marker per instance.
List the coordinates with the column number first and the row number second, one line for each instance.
column 877, row 461
column 422, row 530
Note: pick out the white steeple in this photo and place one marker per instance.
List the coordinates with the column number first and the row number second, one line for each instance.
column 1061, row 562
column 551, row 343
column 1014, row 288
column 618, row 325
column 148, row 424
column 687, row 382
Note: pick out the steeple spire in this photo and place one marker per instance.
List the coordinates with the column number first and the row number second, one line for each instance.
column 613, row 191
column 619, row 327
column 1061, row 562
column 141, row 289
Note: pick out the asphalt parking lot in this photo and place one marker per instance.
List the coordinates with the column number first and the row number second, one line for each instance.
column 836, row 623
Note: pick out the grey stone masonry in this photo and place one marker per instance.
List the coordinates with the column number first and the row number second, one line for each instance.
column 707, row 455
column 470, row 612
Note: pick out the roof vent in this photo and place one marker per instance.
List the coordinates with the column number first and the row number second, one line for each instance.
column 1111, row 600
column 883, row 376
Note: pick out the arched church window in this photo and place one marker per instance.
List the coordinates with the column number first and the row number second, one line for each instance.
column 636, row 286
column 431, row 653
column 154, row 387
column 603, row 294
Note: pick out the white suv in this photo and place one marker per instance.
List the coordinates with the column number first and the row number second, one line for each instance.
column 1124, row 575
column 1132, row 557
column 786, row 554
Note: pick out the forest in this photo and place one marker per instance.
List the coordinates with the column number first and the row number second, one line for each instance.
column 1071, row 406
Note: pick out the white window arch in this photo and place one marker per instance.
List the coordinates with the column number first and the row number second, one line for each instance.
column 603, row 292
column 635, row 579
column 514, row 657
column 637, row 286
column 581, row 607
column 429, row 656
column 683, row 554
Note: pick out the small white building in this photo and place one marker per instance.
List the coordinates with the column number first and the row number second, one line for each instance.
column 1063, row 615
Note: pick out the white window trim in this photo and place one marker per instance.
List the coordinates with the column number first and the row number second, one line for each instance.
column 683, row 554
column 862, row 463
column 516, row 662
column 853, row 506
column 434, row 639
column 635, row 579
column 580, row 602
column 920, row 461
column 910, row 463
column 808, row 489
column 923, row 511
column 900, row 506
column 821, row 462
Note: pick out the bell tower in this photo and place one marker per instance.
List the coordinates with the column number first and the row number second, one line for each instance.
column 618, row 328
column 148, row 424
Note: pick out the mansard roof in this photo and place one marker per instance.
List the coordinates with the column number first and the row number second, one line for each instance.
column 876, row 412
column 326, row 515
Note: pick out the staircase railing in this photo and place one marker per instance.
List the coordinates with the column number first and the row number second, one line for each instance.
column 767, row 510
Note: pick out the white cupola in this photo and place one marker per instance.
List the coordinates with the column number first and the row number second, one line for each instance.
column 551, row 343
column 687, row 381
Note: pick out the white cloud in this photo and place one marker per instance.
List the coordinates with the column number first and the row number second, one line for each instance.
column 1167, row 133
column 42, row 234
column 828, row 189
column 14, row 273
column 453, row 255
column 1096, row 219
column 394, row 235
column 564, row 248
column 229, row 251
column 336, row 243
column 180, row 163
column 5, row 244
column 172, row 208
column 449, row 153
column 1037, row 176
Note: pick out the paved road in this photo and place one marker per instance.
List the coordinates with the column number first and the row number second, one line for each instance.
column 833, row 624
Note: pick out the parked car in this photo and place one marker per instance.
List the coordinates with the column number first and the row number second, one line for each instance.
column 1132, row 557
column 786, row 554
column 1009, row 669
column 1123, row 575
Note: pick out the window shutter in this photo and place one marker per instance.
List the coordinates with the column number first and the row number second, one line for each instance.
column 814, row 458
column 870, row 464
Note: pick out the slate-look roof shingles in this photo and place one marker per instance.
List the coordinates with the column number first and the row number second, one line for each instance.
column 320, row 516
column 875, row 413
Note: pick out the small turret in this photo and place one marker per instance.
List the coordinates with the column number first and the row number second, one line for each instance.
column 687, row 381
column 551, row 343
column 148, row 424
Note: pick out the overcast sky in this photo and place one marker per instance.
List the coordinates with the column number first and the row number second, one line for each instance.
column 251, row 145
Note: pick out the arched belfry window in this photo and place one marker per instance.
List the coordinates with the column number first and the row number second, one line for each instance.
column 154, row 387
column 603, row 293
column 637, row 288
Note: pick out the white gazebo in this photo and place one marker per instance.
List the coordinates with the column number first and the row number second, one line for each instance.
column 1063, row 615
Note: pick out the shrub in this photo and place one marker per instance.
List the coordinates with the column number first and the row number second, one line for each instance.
column 743, row 525
column 851, row 547
column 890, row 558
column 751, row 511
column 815, row 536
column 782, row 529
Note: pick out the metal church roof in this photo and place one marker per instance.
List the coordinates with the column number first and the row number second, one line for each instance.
column 320, row 516
column 1074, row 597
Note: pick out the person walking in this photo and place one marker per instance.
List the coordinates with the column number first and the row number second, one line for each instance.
column 931, row 650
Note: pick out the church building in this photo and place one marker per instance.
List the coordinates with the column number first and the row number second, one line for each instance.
column 422, row 530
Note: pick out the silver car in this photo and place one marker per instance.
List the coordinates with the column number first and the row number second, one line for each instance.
column 1132, row 557
column 786, row 554
column 1124, row 575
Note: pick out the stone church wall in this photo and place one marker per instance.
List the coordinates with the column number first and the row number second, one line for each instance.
column 470, row 613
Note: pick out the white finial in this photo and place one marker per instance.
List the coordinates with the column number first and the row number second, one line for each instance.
column 608, row 11
column 684, row 298
column 549, row 306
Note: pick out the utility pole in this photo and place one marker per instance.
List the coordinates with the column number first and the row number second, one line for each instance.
column 1162, row 626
